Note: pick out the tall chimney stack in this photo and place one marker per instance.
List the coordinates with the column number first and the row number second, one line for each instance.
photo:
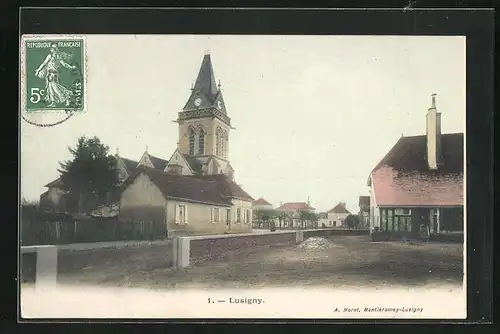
column 433, row 135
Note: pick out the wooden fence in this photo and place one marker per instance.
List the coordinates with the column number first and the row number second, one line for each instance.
column 45, row 229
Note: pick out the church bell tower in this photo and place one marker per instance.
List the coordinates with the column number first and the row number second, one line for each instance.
column 204, row 124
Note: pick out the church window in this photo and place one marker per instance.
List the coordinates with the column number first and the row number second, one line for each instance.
column 225, row 145
column 222, row 145
column 201, row 142
column 218, row 141
column 191, row 141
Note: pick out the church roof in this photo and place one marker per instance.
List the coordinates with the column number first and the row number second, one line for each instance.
column 194, row 163
column 205, row 88
column 205, row 82
column 158, row 163
column 131, row 165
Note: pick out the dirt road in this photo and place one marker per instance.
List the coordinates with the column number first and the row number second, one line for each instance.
column 351, row 261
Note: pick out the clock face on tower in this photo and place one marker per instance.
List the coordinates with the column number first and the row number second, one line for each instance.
column 197, row 102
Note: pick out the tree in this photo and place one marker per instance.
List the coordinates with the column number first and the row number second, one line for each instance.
column 284, row 216
column 264, row 216
column 315, row 219
column 351, row 221
column 91, row 173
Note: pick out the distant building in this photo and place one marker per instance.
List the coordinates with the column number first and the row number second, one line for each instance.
column 323, row 220
column 261, row 219
column 364, row 211
column 337, row 215
column 261, row 204
column 291, row 212
column 419, row 184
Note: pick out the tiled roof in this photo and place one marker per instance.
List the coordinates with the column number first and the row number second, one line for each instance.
column 184, row 187
column 409, row 154
column 339, row 208
column 364, row 200
column 396, row 188
column 194, row 163
column 131, row 165
column 57, row 183
column 261, row 201
column 205, row 87
column 403, row 178
column 295, row 206
column 229, row 188
column 158, row 163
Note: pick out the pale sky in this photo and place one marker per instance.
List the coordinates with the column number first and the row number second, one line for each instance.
column 313, row 114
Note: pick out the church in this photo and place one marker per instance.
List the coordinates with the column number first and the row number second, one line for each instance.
column 194, row 191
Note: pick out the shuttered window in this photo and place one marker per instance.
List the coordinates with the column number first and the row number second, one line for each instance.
column 181, row 215
column 215, row 215
column 238, row 215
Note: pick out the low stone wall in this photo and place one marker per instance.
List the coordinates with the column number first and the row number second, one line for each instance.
column 333, row 231
column 215, row 247
column 190, row 250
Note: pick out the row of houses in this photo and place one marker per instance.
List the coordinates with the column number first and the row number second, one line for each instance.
column 334, row 217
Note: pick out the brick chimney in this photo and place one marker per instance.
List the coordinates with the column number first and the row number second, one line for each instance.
column 433, row 135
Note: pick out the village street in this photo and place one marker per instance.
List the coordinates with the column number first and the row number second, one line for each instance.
column 340, row 261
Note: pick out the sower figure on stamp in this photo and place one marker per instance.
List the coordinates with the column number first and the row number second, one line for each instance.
column 55, row 93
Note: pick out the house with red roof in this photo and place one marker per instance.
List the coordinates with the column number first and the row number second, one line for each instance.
column 291, row 213
column 337, row 215
column 418, row 186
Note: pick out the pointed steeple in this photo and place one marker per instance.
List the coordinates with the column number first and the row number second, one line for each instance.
column 205, row 83
column 205, row 93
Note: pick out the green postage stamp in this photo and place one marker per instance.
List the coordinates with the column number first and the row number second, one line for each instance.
column 53, row 76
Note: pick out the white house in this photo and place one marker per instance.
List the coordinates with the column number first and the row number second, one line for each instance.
column 337, row 215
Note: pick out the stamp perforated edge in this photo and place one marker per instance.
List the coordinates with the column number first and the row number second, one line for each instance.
column 22, row 74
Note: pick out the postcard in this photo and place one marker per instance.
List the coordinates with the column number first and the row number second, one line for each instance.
column 242, row 177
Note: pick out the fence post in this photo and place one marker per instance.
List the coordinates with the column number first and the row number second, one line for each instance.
column 46, row 266
column 299, row 236
column 75, row 232
column 181, row 251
